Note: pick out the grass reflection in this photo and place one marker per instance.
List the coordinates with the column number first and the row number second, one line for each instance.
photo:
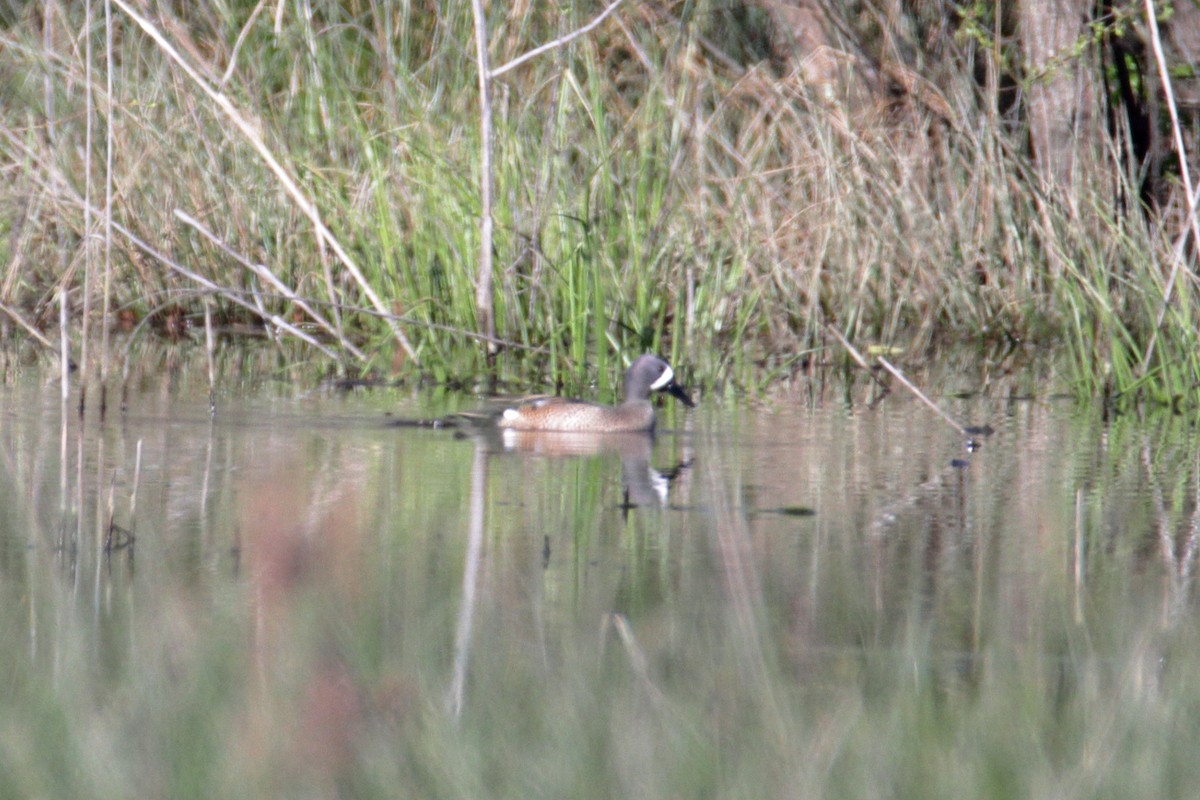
column 292, row 617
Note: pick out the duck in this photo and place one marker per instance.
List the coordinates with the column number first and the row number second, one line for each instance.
column 646, row 375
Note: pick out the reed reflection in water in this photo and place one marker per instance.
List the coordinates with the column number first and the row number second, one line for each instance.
column 828, row 600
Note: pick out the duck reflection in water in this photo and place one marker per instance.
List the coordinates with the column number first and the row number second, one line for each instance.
column 644, row 485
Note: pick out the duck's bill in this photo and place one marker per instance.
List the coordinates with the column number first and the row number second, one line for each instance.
column 676, row 391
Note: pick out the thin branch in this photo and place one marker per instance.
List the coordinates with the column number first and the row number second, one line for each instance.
column 57, row 184
column 507, row 344
column 27, row 325
column 231, row 296
column 1164, row 75
column 559, row 42
column 64, row 341
column 90, row 104
column 269, row 277
column 854, row 354
column 484, row 293
column 106, row 301
column 251, row 133
column 898, row 375
column 237, row 46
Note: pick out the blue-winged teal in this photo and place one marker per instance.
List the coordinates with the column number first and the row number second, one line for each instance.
column 647, row 374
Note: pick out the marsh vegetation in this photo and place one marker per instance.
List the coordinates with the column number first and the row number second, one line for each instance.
column 270, row 592
column 719, row 182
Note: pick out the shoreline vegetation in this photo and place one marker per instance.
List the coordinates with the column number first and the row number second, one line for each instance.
column 722, row 183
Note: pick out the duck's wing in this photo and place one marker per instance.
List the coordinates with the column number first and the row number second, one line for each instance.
column 542, row 401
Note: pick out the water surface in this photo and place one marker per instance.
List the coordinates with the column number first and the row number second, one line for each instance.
column 810, row 597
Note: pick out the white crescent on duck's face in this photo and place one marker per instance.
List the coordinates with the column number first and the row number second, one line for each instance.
column 664, row 379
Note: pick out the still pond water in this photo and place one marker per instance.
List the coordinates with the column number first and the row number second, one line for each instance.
column 808, row 597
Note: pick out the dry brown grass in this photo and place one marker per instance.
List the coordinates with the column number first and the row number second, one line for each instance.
column 653, row 192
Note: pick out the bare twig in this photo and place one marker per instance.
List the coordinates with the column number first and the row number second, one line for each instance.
column 229, row 295
column 894, row 372
column 237, row 46
column 883, row 362
column 28, row 326
column 266, row 275
column 87, row 208
column 105, row 324
column 64, row 341
column 507, row 344
column 484, row 292
column 325, row 236
column 58, row 184
column 484, row 300
column 1184, row 170
column 559, row 42
column 857, row 356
